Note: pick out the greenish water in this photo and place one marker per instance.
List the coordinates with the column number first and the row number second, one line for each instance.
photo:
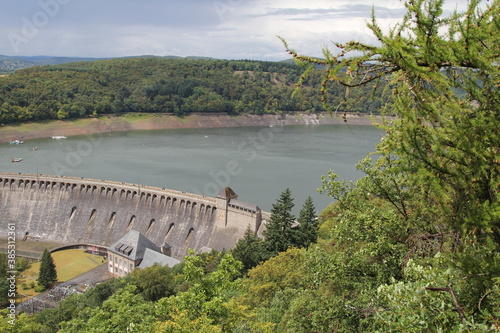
column 258, row 163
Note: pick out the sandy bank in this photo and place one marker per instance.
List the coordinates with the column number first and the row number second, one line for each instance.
column 114, row 123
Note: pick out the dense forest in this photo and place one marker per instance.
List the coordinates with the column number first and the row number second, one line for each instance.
column 176, row 86
column 413, row 246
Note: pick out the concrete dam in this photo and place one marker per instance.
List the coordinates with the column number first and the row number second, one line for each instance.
column 71, row 210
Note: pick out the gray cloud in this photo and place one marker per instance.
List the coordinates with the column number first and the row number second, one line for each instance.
column 217, row 28
column 345, row 11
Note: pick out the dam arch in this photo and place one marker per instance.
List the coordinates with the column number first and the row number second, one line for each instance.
column 79, row 210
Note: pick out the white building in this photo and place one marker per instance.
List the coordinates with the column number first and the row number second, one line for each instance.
column 135, row 250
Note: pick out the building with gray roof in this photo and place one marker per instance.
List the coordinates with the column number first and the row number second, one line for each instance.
column 152, row 257
column 135, row 250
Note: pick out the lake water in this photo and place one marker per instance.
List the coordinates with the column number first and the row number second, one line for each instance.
column 258, row 163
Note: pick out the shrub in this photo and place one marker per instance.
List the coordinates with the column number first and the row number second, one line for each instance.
column 40, row 289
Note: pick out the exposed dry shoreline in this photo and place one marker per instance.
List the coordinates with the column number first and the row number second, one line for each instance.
column 114, row 123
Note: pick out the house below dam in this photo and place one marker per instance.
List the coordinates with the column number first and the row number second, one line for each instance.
column 71, row 210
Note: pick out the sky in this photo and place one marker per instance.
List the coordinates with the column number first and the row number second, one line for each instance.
column 225, row 29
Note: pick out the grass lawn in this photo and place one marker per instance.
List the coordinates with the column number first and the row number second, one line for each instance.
column 69, row 264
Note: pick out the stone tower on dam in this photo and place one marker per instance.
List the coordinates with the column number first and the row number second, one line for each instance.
column 72, row 210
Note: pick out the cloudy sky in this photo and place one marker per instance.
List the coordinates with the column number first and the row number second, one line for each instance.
column 227, row 29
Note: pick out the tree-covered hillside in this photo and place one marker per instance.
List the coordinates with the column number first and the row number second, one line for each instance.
column 413, row 246
column 177, row 86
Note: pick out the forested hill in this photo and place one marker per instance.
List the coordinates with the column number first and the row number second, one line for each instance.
column 9, row 64
column 178, row 86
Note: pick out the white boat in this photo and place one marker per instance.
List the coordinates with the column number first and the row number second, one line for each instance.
column 17, row 142
column 16, row 159
column 58, row 137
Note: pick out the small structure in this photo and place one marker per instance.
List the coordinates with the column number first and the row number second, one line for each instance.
column 135, row 250
column 237, row 214
column 222, row 200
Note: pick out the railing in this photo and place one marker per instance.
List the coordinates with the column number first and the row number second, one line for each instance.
column 108, row 183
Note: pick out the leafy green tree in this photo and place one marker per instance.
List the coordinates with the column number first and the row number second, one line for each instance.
column 154, row 282
column 208, row 296
column 182, row 322
column 4, row 283
column 437, row 164
column 48, row 274
column 280, row 234
column 428, row 299
column 444, row 76
column 249, row 250
column 308, row 224
column 364, row 248
column 22, row 324
column 22, row 264
column 285, row 271
column 79, row 306
column 125, row 311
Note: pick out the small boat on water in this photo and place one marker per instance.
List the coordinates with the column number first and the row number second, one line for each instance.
column 58, row 137
column 34, row 148
column 16, row 159
column 17, row 142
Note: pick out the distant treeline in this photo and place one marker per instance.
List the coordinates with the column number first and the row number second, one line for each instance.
column 177, row 86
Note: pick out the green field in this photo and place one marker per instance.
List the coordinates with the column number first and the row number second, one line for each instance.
column 69, row 264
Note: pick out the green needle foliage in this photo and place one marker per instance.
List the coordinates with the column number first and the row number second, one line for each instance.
column 444, row 76
column 438, row 165
column 48, row 273
column 249, row 250
column 280, row 234
column 308, row 228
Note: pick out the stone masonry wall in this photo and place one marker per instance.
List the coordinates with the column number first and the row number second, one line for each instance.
column 77, row 210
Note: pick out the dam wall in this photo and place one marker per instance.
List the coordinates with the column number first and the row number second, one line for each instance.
column 71, row 210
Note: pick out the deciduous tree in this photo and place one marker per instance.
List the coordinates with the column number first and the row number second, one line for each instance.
column 444, row 76
column 438, row 164
column 154, row 282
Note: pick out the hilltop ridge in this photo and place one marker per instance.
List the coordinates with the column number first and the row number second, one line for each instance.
column 9, row 64
column 170, row 85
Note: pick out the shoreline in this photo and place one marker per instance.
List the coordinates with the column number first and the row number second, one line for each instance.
column 155, row 121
